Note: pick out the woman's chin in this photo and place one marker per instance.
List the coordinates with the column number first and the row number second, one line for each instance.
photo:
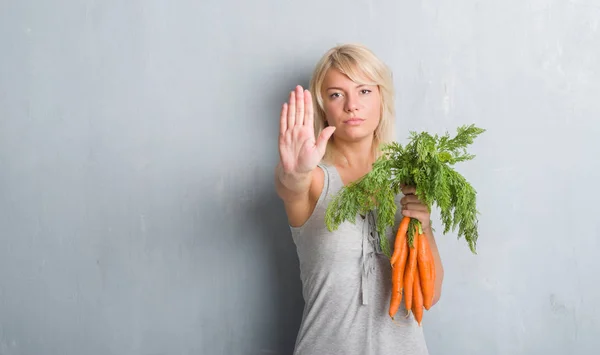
column 355, row 135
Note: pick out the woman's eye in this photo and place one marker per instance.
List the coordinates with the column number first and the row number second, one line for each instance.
column 365, row 91
column 334, row 95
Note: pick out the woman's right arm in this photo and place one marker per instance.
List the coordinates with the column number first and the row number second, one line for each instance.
column 298, row 181
column 298, row 193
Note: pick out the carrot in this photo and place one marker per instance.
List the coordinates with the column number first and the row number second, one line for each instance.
column 396, row 291
column 417, row 306
column 398, row 274
column 426, row 271
column 400, row 240
column 410, row 271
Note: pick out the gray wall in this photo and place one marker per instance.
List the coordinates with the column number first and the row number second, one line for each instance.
column 138, row 139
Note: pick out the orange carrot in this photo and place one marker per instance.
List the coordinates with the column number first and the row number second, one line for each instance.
column 417, row 306
column 410, row 271
column 400, row 240
column 398, row 274
column 396, row 292
column 426, row 272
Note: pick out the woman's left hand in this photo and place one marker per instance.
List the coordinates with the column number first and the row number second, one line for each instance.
column 414, row 208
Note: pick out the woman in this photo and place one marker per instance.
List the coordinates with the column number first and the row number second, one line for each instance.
column 346, row 279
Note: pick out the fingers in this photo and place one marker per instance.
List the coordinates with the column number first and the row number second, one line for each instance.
column 283, row 119
column 410, row 199
column 299, row 105
column 412, row 202
column 423, row 217
column 415, row 207
column 418, row 211
column 408, row 190
column 298, row 111
column 309, row 113
column 323, row 138
column 291, row 121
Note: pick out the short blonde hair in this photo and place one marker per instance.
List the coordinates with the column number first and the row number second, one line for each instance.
column 359, row 64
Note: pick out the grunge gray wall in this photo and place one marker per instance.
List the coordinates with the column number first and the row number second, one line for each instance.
column 138, row 140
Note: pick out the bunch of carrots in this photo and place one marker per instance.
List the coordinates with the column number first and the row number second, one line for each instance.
column 426, row 162
column 413, row 272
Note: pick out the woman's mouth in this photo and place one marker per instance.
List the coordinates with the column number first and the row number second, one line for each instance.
column 354, row 121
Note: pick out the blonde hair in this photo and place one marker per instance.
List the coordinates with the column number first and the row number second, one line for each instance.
column 359, row 64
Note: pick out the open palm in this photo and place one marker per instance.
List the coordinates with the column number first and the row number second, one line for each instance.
column 299, row 151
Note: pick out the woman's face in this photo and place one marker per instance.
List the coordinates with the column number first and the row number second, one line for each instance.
column 354, row 109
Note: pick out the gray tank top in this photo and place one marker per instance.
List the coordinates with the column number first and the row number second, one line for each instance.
column 346, row 287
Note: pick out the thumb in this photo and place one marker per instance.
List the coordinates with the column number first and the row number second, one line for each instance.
column 323, row 138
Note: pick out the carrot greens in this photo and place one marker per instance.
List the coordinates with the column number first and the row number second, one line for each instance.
column 426, row 162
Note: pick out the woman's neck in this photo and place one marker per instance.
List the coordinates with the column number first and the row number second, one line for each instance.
column 356, row 156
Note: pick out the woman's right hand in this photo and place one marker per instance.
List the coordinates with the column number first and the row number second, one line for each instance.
column 299, row 151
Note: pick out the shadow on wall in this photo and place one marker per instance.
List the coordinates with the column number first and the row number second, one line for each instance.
column 263, row 213
column 271, row 222
column 268, row 213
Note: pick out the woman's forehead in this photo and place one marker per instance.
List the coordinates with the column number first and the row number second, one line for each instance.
column 355, row 78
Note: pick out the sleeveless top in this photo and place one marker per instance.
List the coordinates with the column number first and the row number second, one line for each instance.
column 346, row 286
